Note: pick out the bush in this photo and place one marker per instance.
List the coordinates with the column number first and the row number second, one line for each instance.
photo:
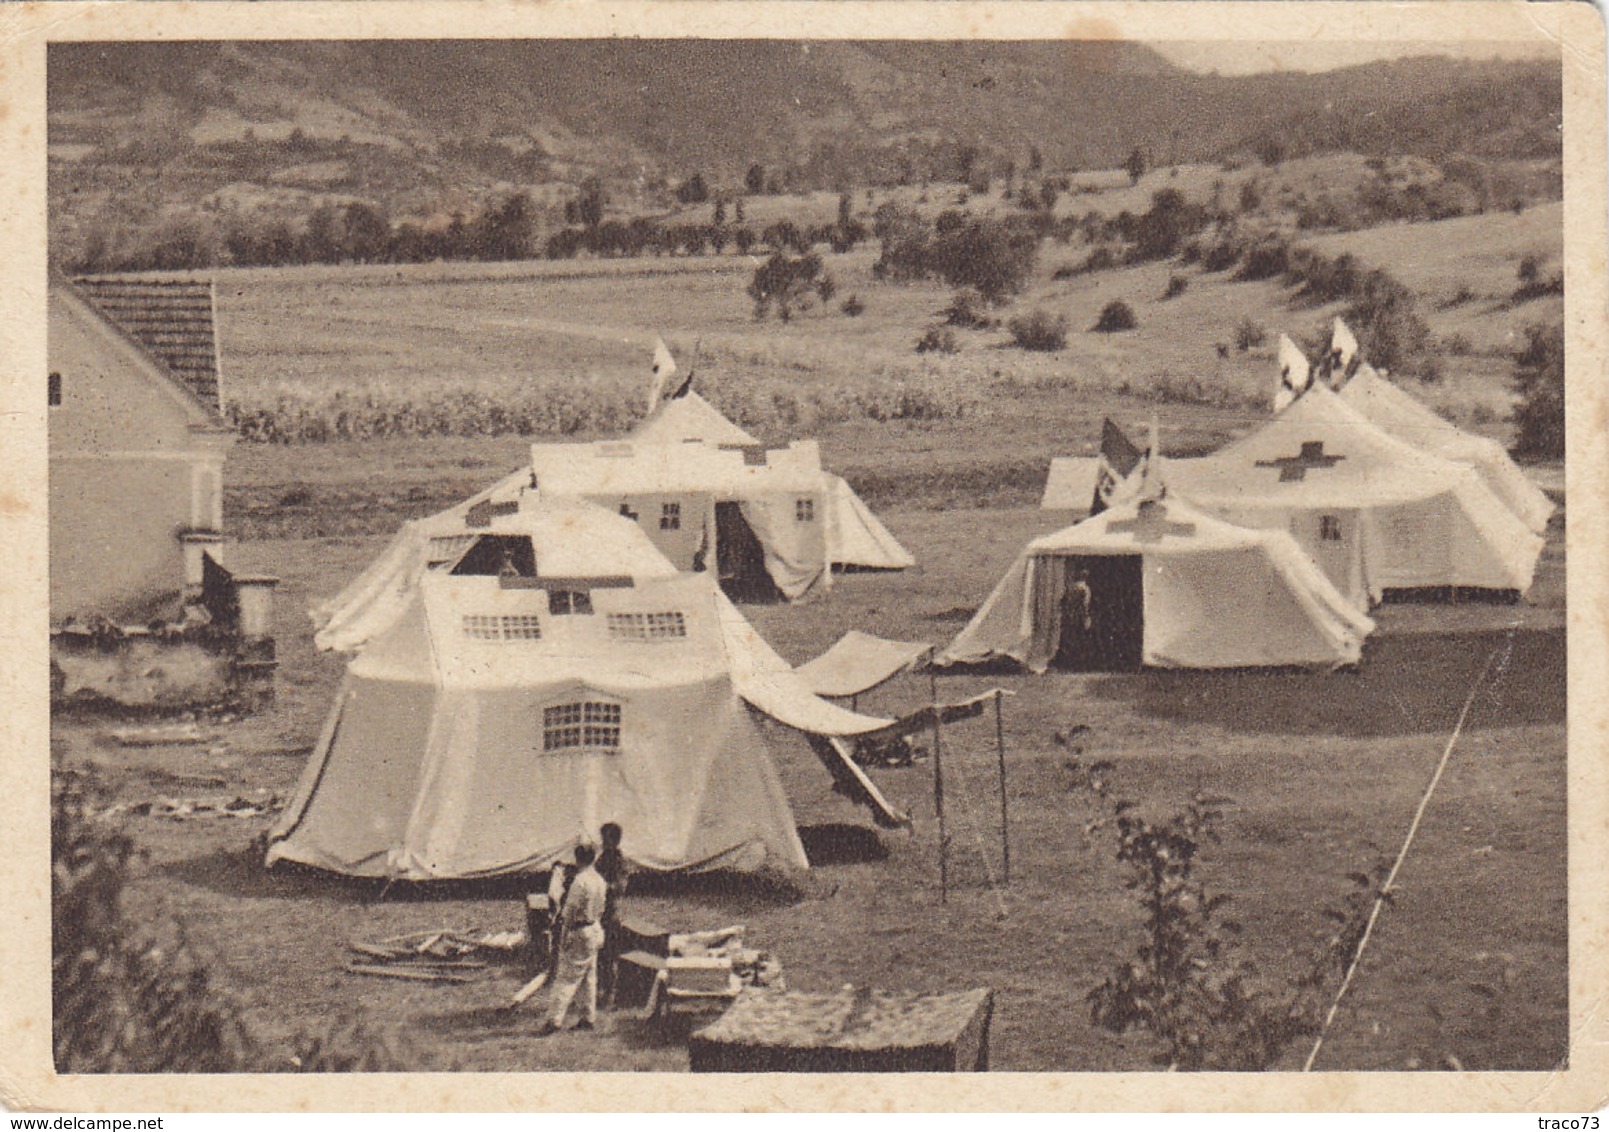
column 1102, row 258
column 1189, row 982
column 1039, row 331
column 1539, row 381
column 1220, row 256
column 1116, row 315
column 968, row 310
column 1177, row 284
column 1384, row 317
column 1266, row 260
column 786, row 282
column 853, row 307
column 1249, row 334
column 130, row 1001
column 1459, row 345
column 1533, row 283
column 937, row 339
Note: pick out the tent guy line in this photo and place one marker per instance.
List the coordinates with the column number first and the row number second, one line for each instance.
column 1402, row 855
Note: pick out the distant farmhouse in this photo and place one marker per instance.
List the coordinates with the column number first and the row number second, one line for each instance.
column 143, row 612
column 137, row 445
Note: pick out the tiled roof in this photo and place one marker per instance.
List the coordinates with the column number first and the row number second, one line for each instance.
column 172, row 320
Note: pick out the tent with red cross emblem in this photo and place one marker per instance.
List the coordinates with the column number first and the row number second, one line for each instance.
column 1158, row 582
column 1373, row 512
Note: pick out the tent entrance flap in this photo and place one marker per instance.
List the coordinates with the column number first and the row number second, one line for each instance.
column 740, row 558
column 1102, row 613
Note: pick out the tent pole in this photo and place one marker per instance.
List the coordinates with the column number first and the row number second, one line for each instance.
column 1000, row 754
column 938, row 791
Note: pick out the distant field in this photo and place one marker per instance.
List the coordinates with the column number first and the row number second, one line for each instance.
column 559, row 337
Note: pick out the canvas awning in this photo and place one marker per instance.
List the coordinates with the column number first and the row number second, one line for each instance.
column 858, row 662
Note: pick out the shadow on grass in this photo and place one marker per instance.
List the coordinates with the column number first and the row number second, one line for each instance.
column 835, row 843
column 1407, row 685
column 239, row 872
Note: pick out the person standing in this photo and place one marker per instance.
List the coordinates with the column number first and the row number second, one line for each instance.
column 581, row 928
column 616, row 874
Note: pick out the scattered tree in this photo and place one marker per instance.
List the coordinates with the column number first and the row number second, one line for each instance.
column 1539, row 381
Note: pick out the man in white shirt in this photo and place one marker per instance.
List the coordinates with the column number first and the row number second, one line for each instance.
column 580, row 922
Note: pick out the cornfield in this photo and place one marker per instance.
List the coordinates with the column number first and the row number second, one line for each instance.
column 307, row 413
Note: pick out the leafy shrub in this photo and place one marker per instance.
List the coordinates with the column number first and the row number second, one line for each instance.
column 1177, row 285
column 968, row 310
column 1459, row 345
column 1250, row 334
column 1116, row 315
column 937, row 339
column 853, row 307
column 1039, row 331
column 1539, row 381
column 1190, row 984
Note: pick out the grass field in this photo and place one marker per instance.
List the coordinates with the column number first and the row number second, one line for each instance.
column 1324, row 770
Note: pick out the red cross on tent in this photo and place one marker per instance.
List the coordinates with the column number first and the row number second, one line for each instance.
column 1151, row 524
column 1295, row 468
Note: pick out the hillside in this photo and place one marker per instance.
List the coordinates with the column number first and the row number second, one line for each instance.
column 427, row 128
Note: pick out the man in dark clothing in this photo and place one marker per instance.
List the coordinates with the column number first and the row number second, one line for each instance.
column 616, row 872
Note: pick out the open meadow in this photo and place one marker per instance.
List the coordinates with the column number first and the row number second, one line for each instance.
column 1322, row 771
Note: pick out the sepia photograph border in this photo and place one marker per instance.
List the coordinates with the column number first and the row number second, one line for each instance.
column 27, row 1079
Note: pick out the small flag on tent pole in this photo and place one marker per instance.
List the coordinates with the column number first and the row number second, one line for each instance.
column 664, row 368
column 1294, row 374
column 1119, row 458
column 1343, row 350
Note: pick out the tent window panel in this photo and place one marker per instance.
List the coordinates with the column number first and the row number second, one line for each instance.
column 804, row 510
column 669, row 626
column 589, row 725
column 502, row 627
column 55, row 390
column 670, row 516
column 1329, row 528
column 569, row 601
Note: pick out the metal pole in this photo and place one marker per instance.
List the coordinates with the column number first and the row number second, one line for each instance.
column 938, row 793
column 1000, row 754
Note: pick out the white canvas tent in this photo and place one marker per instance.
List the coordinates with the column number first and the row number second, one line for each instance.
column 501, row 719
column 1373, row 512
column 1398, row 413
column 1170, row 587
column 856, row 538
column 751, row 517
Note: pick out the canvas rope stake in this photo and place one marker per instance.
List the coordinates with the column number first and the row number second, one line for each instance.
column 1402, row 854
